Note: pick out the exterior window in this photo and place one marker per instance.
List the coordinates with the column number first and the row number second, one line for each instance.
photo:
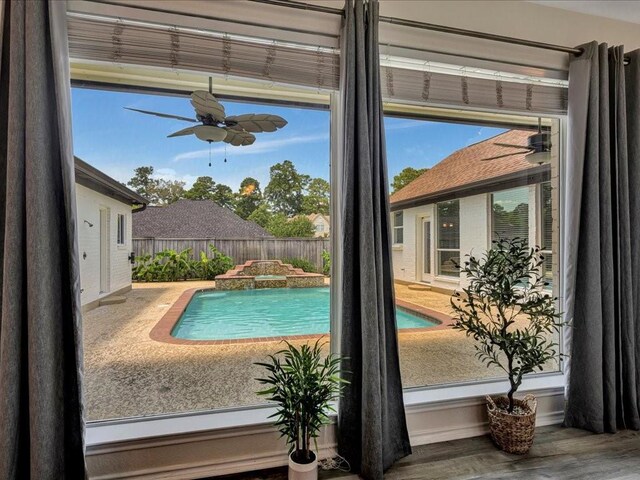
column 448, row 243
column 510, row 214
column 121, row 227
column 398, row 228
column 320, row 227
column 546, row 231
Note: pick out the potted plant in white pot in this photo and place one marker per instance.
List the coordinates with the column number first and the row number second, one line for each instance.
column 303, row 383
column 511, row 316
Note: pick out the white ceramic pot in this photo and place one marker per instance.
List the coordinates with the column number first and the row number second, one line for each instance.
column 303, row 471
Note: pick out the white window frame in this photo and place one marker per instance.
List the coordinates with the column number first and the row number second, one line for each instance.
column 121, row 229
column 398, row 228
column 103, row 432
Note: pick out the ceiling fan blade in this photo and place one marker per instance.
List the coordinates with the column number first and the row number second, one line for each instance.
column 511, row 145
column 506, row 155
column 206, row 104
column 163, row 115
column 184, row 131
column 256, row 122
column 238, row 138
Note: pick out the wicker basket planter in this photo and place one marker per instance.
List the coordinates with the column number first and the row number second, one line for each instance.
column 512, row 432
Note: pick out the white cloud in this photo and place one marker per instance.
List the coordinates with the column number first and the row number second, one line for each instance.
column 261, row 146
column 170, row 174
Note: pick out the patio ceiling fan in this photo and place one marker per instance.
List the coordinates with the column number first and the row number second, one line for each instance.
column 215, row 126
column 538, row 148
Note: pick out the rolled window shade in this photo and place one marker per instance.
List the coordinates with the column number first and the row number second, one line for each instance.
column 416, row 86
column 135, row 43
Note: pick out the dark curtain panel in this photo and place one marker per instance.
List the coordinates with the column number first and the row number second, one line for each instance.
column 372, row 427
column 41, row 425
column 603, row 210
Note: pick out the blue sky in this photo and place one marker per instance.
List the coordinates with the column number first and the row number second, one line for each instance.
column 116, row 140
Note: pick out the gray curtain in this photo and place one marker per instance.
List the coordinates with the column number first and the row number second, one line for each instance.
column 41, row 433
column 371, row 421
column 603, row 240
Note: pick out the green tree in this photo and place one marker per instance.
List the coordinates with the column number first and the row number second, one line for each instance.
column 144, row 184
column 281, row 226
column 223, row 196
column 169, row 191
column 317, row 198
column 405, row 177
column 260, row 215
column 202, row 189
column 285, row 191
column 249, row 197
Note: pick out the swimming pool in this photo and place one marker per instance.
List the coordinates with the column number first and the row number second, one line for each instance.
column 277, row 312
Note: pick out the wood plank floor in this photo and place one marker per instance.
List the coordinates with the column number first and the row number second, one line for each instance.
column 558, row 453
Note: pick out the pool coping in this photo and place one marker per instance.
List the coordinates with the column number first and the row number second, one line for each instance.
column 161, row 331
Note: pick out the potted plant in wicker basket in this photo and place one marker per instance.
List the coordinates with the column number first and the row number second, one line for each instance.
column 507, row 311
column 303, row 383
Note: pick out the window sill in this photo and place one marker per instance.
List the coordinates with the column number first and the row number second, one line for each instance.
column 130, row 429
column 397, row 246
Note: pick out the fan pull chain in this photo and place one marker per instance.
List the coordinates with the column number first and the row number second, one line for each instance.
column 209, row 153
column 225, row 153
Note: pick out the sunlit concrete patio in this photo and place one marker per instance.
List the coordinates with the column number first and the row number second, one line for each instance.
column 129, row 374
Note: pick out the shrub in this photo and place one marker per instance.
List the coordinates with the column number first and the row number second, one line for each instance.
column 326, row 262
column 171, row 266
column 217, row 264
column 302, row 263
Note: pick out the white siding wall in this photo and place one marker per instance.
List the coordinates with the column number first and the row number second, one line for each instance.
column 475, row 235
column 89, row 204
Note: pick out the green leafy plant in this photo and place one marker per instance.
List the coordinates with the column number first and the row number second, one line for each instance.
column 171, row 266
column 302, row 263
column 507, row 311
column 326, row 262
column 216, row 263
column 303, row 384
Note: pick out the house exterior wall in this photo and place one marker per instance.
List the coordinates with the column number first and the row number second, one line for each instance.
column 322, row 227
column 89, row 203
column 475, row 236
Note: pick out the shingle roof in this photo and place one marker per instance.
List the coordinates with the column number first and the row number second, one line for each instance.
column 465, row 167
column 193, row 219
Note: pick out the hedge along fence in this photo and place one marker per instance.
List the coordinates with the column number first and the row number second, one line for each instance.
column 240, row 249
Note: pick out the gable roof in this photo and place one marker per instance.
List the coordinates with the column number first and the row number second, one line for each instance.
column 464, row 169
column 193, row 219
column 92, row 178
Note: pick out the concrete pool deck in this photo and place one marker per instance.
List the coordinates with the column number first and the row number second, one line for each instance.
column 127, row 373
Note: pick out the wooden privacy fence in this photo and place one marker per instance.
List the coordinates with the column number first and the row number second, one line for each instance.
column 240, row 249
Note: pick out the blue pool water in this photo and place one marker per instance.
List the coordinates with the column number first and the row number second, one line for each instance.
column 218, row 315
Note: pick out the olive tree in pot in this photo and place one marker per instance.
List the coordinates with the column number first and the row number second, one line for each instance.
column 511, row 316
column 303, row 383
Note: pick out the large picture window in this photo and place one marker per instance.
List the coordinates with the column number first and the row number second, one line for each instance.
column 191, row 320
column 460, row 185
column 448, row 238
